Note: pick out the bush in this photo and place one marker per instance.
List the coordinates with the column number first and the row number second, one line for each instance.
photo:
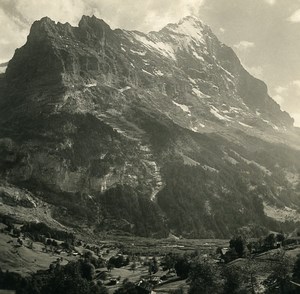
column 73, row 278
column 182, row 267
column 118, row 261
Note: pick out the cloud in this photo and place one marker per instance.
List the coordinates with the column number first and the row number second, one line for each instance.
column 144, row 15
column 9, row 8
column 297, row 84
column 222, row 30
column 118, row 12
column 295, row 17
column 292, row 88
column 63, row 11
column 280, row 89
column 279, row 99
column 16, row 16
column 244, row 45
column 271, row 2
column 12, row 35
column 288, row 97
column 296, row 117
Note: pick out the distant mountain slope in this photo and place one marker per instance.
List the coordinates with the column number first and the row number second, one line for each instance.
column 145, row 133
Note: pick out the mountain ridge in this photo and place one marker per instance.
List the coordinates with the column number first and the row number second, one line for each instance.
column 92, row 22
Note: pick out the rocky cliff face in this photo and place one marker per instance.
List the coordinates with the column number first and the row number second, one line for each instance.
column 145, row 133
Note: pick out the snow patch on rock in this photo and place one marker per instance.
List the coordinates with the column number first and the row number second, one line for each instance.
column 163, row 48
column 209, row 168
column 245, row 125
column 198, row 56
column 94, row 84
column 157, row 72
column 138, row 52
column 198, row 93
column 124, row 89
column 183, row 107
column 215, row 112
column 147, row 72
column 190, row 27
column 226, row 71
column 230, row 159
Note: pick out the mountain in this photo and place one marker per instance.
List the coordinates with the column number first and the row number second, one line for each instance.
column 147, row 134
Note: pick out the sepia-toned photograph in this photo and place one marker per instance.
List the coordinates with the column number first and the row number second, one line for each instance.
column 149, row 146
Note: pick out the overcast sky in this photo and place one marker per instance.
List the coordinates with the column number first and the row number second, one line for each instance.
column 265, row 34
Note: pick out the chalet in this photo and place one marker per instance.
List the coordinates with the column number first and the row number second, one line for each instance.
column 224, row 251
column 113, row 282
column 101, row 274
column 154, row 280
column 222, row 254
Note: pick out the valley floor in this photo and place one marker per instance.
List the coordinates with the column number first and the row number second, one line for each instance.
column 27, row 257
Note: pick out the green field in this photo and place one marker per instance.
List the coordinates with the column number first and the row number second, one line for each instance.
column 24, row 260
